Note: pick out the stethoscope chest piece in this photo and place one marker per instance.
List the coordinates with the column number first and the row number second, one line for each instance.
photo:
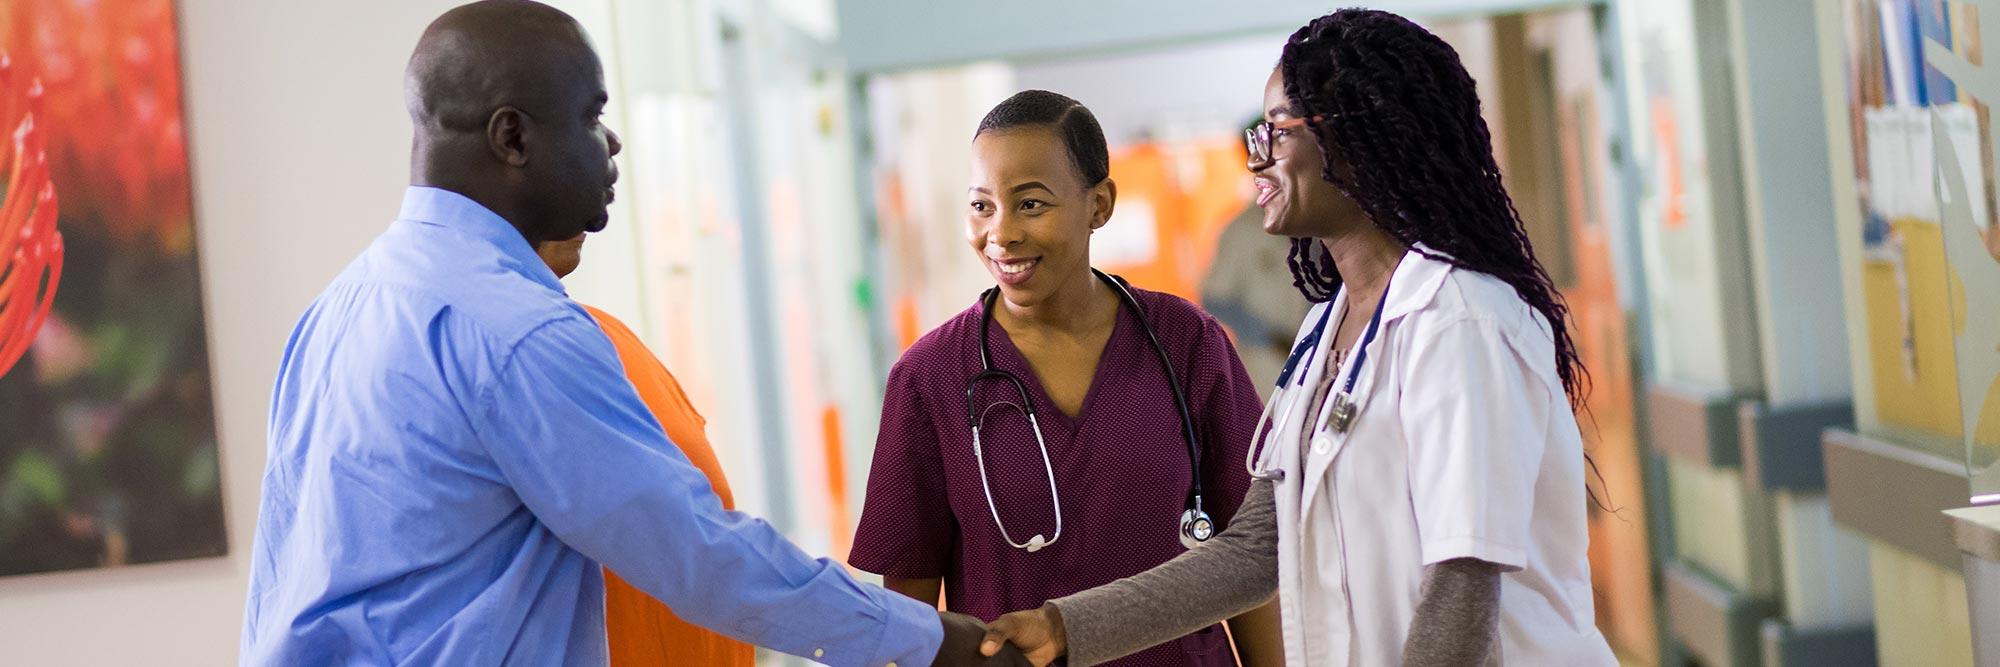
column 1342, row 418
column 1196, row 528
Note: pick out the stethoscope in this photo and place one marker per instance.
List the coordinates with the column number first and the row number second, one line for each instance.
column 1344, row 408
column 1195, row 526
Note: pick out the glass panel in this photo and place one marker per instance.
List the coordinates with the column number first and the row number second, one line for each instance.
column 1924, row 162
column 1971, row 229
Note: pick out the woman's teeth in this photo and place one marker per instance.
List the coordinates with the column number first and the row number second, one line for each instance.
column 1016, row 267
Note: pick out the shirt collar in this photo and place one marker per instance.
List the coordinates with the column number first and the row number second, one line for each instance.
column 1416, row 281
column 456, row 212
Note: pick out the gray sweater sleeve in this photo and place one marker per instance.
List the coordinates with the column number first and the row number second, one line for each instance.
column 1233, row 573
column 1458, row 615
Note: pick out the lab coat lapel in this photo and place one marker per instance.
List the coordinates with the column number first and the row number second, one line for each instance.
column 1412, row 287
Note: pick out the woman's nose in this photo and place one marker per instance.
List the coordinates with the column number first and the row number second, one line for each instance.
column 1257, row 163
column 1004, row 232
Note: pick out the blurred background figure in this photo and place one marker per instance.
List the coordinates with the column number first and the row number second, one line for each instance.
column 1239, row 291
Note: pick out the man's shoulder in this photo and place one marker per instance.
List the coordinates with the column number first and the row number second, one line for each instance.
column 442, row 282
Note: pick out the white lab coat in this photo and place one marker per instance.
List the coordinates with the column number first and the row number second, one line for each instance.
column 1464, row 446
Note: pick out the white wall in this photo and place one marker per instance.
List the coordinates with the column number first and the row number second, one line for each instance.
column 300, row 149
column 884, row 35
column 1205, row 88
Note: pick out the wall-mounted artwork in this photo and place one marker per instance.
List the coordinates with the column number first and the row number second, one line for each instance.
column 107, row 428
column 1920, row 103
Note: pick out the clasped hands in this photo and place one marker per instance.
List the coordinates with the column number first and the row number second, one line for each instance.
column 1028, row 637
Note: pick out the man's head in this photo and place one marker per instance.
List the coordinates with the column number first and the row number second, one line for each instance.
column 506, row 96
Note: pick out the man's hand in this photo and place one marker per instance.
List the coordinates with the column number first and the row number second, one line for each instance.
column 1037, row 632
column 961, row 647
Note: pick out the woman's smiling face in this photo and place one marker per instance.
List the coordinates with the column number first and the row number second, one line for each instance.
column 1029, row 214
column 1291, row 188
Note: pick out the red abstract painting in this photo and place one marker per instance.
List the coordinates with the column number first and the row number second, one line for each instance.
column 107, row 427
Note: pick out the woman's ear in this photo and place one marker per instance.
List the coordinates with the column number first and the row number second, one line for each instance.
column 1103, row 198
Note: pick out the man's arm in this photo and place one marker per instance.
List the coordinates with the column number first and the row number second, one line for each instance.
column 568, row 434
column 1458, row 615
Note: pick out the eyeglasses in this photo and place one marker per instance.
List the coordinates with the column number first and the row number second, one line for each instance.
column 1258, row 138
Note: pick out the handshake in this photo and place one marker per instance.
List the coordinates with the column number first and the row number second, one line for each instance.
column 1029, row 637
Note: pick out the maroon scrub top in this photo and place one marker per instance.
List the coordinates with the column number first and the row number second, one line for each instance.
column 1121, row 467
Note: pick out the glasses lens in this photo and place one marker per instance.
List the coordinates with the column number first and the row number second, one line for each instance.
column 1258, row 139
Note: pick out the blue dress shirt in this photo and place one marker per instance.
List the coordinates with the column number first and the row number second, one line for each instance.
column 454, row 449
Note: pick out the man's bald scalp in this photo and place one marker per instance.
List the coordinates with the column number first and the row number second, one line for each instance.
column 482, row 56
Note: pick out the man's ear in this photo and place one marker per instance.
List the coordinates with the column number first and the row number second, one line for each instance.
column 1103, row 199
column 506, row 136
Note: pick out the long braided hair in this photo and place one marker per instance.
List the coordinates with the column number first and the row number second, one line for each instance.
column 1393, row 101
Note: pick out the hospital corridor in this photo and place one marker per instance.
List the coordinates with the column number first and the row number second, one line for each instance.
column 1647, row 333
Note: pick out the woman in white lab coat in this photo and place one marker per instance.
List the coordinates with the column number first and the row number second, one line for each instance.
column 1423, row 472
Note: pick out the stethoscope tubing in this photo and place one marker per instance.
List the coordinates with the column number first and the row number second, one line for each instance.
column 1194, row 513
column 1308, row 347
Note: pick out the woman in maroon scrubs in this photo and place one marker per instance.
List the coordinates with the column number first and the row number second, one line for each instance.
column 1087, row 467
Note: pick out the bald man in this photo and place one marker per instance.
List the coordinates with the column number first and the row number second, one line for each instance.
column 454, row 447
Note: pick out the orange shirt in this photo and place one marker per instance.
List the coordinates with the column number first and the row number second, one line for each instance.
column 641, row 630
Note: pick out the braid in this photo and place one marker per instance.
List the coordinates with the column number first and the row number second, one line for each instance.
column 1319, row 285
column 1395, row 103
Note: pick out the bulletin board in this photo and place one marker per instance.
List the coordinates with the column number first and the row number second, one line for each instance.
column 1924, row 152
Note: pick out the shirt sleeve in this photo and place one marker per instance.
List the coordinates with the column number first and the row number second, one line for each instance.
column 584, row 455
column 1476, row 421
column 907, row 528
column 1226, row 407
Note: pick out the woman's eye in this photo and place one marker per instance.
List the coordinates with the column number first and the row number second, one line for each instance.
column 979, row 206
column 1033, row 204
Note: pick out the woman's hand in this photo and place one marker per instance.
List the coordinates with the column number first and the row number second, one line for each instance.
column 1037, row 632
